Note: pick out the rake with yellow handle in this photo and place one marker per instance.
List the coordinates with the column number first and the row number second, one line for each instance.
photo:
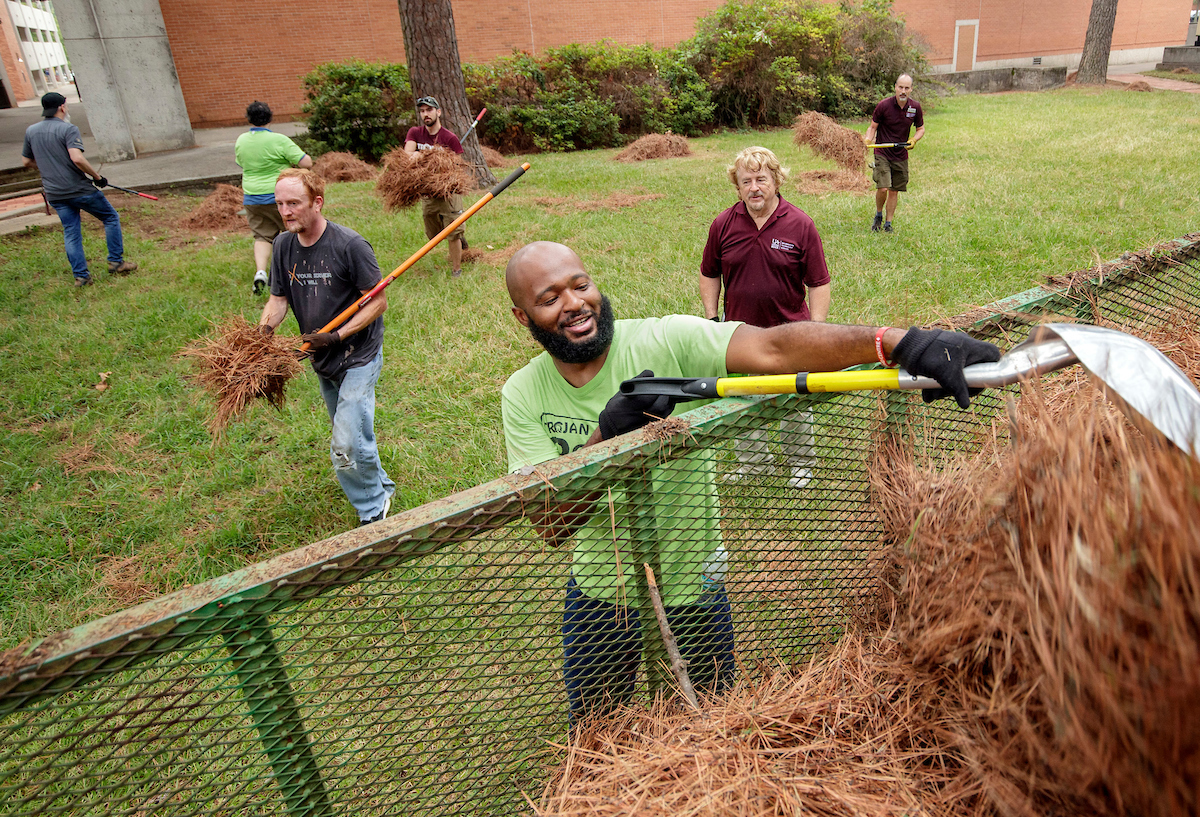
column 1138, row 378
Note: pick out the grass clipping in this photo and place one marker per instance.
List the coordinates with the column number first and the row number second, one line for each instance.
column 435, row 174
column 238, row 364
column 1034, row 649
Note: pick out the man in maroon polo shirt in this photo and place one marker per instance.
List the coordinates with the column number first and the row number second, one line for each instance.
column 768, row 255
column 438, row 214
column 892, row 121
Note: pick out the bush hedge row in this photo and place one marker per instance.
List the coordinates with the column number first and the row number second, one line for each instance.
column 751, row 63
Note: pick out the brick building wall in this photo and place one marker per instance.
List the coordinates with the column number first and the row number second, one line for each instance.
column 229, row 52
column 20, row 85
column 1013, row 32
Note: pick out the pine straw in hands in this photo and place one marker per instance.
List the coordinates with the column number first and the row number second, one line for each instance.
column 239, row 364
column 655, row 146
column 339, row 166
column 1034, row 649
column 829, row 140
column 436, row 173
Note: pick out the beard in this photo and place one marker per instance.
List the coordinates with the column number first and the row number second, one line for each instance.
column 563, row 348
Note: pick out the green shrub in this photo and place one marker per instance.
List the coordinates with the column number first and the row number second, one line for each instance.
column 766, row 61
column 359, row 107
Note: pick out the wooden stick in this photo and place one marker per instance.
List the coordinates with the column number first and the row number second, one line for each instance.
column 678, row 665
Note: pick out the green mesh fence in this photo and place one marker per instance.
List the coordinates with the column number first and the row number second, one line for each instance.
column 416, row 666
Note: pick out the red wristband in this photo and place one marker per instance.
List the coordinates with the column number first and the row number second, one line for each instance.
column 879, row 347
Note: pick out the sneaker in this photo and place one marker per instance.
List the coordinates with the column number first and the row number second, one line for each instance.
column 744, row 472
column 260, row 282
column 800, row 478
column 382, row 515
column 86, row 281
column 887, row 226
column 455, row 273
column 124, row 268
column 875, row 225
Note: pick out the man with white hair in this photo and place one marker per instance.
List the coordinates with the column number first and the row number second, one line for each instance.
column 767, row 254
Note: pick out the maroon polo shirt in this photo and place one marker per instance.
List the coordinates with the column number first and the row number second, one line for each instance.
column 444, row 138
column 894, row 125
column 765, row 271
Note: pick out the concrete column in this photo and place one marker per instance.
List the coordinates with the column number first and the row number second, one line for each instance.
column 124, row 68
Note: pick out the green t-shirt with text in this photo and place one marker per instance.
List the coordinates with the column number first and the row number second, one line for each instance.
column 545, row 417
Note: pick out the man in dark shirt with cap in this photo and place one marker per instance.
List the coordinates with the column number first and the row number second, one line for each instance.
column 438, row 213
column 55, row 148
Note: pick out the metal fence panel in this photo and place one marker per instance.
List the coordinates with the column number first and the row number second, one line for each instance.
column 416, row 666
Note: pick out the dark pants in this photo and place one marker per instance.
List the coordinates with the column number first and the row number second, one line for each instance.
column 602, row 646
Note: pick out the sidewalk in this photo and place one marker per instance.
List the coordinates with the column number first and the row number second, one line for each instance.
column 209, row 162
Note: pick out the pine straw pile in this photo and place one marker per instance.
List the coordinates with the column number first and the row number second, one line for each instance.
column 220, row 210
column 1034, row 649
column 829, row 140
column 238, row 364
column 823, row 182
column 343, row 167
column 436, row 173
column 494, row 158
column 655, row 146
column 1139, row 85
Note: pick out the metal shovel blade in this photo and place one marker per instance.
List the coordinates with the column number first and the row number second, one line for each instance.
column 1139, row 379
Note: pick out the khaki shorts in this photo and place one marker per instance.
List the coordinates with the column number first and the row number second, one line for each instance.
column 890, row 174
column 440, row 213
column 265, row 221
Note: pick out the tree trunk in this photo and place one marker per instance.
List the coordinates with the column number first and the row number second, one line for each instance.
column 431, row 49
column 1093, row 65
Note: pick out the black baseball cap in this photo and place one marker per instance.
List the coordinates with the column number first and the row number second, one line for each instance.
column 430, row 101
column 51, row 102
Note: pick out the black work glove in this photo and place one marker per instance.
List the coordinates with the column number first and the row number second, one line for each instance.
column 942, row 355
column 320, row 340
column 266, row 329
column 628, row 412
column 100, row 182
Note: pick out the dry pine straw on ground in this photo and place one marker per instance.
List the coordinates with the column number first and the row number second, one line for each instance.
column 343, row 167
column 493, row 158
column 436, row 173
column 655, row 146
column 237, row 364
column 1032, row 650
column 220, row 210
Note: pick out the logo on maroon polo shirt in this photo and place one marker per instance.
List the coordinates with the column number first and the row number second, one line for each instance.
column 776, row 244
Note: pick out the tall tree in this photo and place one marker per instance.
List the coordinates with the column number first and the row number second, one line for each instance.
column 431, row 49
column 1097, row 43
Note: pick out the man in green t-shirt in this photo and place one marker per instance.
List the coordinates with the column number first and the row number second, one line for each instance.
column 262, row 154
column 568, row 398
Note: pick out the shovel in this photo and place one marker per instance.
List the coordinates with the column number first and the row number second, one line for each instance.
column 1139, row 379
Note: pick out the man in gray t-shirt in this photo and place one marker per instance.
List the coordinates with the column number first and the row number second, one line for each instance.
column 319, row 268
column 55, row 148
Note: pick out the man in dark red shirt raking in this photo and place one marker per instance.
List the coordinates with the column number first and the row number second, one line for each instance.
column 768, row 255
column 892, row 121
column 438, row 213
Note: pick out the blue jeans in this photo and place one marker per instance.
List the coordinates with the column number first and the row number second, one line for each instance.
column 602, row 646
column 350, row 399
column 98, row 206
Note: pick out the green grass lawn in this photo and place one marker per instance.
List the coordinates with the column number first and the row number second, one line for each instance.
column 112, row 496
column 1188, row 77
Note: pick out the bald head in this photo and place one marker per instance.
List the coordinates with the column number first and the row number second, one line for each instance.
column 535, row 266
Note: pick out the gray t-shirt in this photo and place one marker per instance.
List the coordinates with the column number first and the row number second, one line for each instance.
column 319, row 282
column 46, row 142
